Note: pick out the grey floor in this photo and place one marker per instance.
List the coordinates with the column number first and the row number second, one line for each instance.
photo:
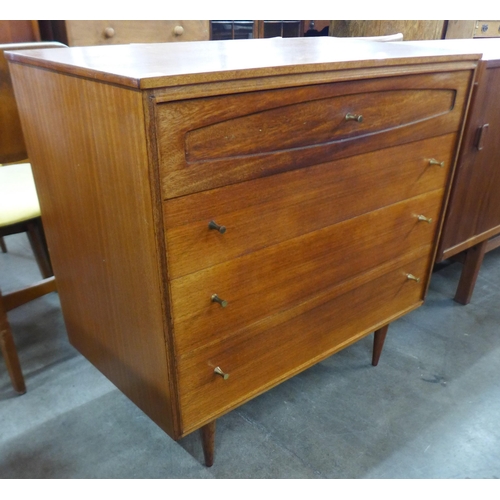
column 429, row 410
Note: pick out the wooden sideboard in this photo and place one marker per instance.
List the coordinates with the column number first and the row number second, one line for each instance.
column 223, row 215
column 472, row 223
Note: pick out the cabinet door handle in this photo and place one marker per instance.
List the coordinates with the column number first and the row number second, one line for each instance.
column 352, row 116
column 216, row 298
column 213, row 225
column 481, row 134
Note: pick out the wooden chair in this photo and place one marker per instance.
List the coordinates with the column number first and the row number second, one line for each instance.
column 19, row 209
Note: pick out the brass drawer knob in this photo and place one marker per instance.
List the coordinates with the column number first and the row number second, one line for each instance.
column 213, row 225
column 414, row 278
column 216, row 298
column 423, row 218
column 218, row 371
column 352, row 116
column 433, row 161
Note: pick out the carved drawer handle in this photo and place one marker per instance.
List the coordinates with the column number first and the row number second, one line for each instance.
column 424, row 218
column 216, row 298
column 218, row 371
column 213, row 225
column 433, row 161
column 352, row 116
column 414, row 278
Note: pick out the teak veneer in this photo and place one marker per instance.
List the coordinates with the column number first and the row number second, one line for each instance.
column 223, row 215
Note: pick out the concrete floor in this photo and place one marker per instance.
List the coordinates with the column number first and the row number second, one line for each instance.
column 429, row 410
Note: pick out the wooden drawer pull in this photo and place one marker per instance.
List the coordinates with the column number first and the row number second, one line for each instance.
column 216, row 298
column 213, row 225
column 414, row 278
column 352, row 116
column 433, row 161
column 218, row 371
column 178, row 30
column 424, row 218
column 109, row 32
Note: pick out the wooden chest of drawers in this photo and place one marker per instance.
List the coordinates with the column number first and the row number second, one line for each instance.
column 210, row 214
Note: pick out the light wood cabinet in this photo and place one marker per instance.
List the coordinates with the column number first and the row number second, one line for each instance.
column 219, row 223
column 84, row 33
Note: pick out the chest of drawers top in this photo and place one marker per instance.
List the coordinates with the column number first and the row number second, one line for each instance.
column 149, row 66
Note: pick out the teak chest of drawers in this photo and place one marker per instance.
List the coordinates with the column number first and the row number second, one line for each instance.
column 223, row 215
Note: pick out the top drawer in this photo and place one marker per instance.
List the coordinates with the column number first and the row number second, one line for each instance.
column 210, row 142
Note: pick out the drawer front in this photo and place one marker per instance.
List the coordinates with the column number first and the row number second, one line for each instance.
column 210, row 142
column 282, row 276
column 487, row 29
column 264, row 212
column 257, row 362
column 82, row 33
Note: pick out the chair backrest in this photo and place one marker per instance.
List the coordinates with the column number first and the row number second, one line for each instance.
column 12, row 147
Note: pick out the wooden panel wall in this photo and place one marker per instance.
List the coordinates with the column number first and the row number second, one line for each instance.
column 412, row 30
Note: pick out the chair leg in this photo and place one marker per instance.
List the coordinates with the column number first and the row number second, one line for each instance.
column 208, row 441
column 3, row 246
column 378, row 344
column 9, row 352
column 473, row 259
column 36, row 237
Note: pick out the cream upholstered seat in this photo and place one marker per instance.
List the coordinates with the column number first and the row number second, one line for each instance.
column 18, row 198
column 19, row 210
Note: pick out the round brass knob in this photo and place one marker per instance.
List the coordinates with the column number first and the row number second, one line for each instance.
column 433, row 161
column 424, row 218
column 218, row 371
column 109, row 32
column 178, row 30
column 213, row 225
column 352, row 116
column 414, row 278
column 216, row 298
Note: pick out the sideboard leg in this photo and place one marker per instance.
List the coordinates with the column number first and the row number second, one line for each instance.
column 378, row 343
column 473, row 259
column 208, row 441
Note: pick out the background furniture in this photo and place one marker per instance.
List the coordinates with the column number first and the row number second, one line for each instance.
column 83, row 33
column 473, row 29
column 19, row 31
column 250, row 217
column 472, row 224
column 411, row 30
column 19, row 209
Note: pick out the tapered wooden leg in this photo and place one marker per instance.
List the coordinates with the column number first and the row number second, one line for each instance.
column 9, row 352
column 472, row 264
column 36, row 237
column 3, row 246
column 378, row 343
column 208, row 440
